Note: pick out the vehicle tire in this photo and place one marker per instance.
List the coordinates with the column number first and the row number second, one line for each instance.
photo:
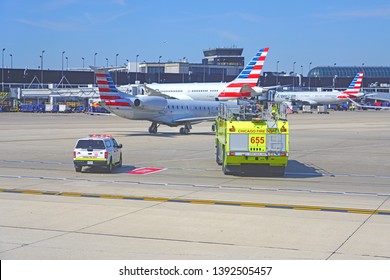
column 225, row 168
column 219, row 154
column 110, row 167
column 120, row 161
column 78, row 168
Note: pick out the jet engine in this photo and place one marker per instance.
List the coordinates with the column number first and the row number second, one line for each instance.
column 153, row 103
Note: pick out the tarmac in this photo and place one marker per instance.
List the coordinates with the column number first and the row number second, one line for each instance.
column 333, row 202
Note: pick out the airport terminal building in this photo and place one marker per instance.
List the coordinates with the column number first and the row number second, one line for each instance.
column 218, row 65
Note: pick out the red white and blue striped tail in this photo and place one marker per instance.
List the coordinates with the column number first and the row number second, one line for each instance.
column 355, row 85
column 248, row 77
column 107, row 89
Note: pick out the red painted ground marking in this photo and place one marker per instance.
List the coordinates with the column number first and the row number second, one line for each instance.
column 145, row 170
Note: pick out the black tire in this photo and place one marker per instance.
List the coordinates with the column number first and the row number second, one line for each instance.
column 218, row 157
column 120, row 161
column 78, row 168
column 110, row 167
column 226, row 170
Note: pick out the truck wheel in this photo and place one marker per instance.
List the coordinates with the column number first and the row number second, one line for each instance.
column 110, row 167
column 218, row 155
column 78, row 168
column 120, row 161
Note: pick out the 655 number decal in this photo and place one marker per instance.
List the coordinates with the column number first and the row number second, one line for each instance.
column 257, row 140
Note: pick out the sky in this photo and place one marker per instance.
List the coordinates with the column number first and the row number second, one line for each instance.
column 310, row 33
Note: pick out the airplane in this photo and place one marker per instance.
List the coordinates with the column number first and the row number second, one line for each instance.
column 244, row 85
column 314, row 97
column 156, row 109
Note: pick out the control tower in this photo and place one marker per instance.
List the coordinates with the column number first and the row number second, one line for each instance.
column 223, row 56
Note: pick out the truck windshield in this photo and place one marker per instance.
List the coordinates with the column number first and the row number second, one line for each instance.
column 88, row 144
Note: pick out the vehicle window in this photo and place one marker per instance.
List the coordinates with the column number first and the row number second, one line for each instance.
column 108, row 144
column 115, row 143
column 94, row 144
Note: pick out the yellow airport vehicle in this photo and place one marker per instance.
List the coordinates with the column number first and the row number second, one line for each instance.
column 251, row 140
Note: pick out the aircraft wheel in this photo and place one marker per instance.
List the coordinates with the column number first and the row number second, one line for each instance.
column 186, row 131
column 181, row 130
column 153, row 128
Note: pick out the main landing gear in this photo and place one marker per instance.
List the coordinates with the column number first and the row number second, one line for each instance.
column 183, row 130
column 153, row 128
column 186, row 129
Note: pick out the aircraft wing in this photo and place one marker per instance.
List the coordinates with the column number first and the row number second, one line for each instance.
column 170, row 95
column 195, row 119
column 304, row 101
column 369, row 106
column 378, row 96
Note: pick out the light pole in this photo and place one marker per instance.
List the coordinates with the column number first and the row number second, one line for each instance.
column 159, row 69
column 42, row 67
column 184, row 59
column 62, row 65
column 309, row 74
column 106, row 62
column 136, row 67
column 83, row 61
column 67, row 64
column 94, row 59
column 116, row 71
column 294, row 73
column 223, row 70
column 2, row 70
column 11, row 59
column 277, row 71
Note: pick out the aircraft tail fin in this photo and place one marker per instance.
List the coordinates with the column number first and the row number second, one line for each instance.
column 107, row 88
column 355, row 86
column 248, row 77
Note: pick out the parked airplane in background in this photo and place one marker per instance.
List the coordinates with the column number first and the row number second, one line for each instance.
column 244, row 85
column 156, row 109
column 323, row 97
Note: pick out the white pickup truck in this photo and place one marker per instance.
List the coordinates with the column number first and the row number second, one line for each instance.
column 100, row 150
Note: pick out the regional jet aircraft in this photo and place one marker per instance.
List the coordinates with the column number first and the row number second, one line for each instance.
column 245, row 85
column 156, row 109
column 314, row 97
